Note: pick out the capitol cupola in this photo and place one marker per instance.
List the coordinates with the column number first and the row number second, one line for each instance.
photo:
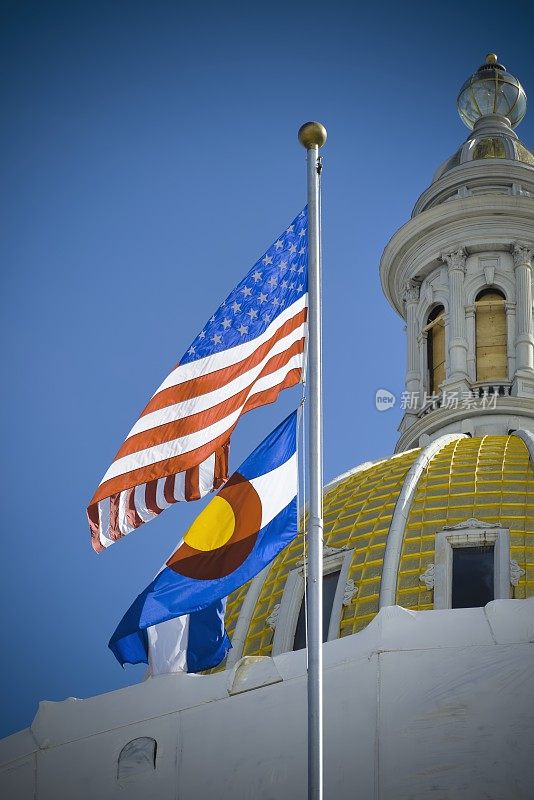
column 460, row 274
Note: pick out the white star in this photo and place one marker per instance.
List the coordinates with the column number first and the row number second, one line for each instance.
column 246, row 291
column 262, row 297
column 282, row 264
column 252, row 314
column 226, row 323
column 236, row 307
column 279, row 244
column 300, row 270
column 242, row 329
column 293, row 248
column 276, row 301
column 202, row 335
column 257, row 276
column 291, row 285
column 266, row 317
column 302, row 232
column 299, row 287
column 302, row 251
column 213, row 318
column 293, row 268
column 267, row 260
column 272, row 281
column 191, row 351
column 284, row 284
column 290, row 229
column 216, row 339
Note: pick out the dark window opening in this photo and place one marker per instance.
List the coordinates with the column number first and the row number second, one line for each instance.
column 329, row 591
column 472, row 576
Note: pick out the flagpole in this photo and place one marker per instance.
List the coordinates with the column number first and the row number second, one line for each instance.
column 312, row 135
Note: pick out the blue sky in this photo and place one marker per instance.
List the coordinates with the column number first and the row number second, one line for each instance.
column 150, row 157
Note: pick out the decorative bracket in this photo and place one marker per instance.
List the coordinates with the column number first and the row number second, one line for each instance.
column 272, row 619
column 515, row 572
column 428, row 577
column 350, row 591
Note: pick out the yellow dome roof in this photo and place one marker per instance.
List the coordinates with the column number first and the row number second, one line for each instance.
column 488, row 478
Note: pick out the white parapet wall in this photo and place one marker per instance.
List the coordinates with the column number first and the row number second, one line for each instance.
column 419, row 705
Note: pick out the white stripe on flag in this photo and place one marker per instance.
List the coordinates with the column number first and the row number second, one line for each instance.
column 174, row 447
column 103, row 515
column 160, row 497
column 206, row 474
column 140, row 503
column 276, row 489
column 274, row 378
column 124, row 525
column 232, row 355
column 179, row 486
column 167, row 646
column 206, row 401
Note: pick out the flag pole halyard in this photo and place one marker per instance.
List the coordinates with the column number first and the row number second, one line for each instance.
column 312, row 135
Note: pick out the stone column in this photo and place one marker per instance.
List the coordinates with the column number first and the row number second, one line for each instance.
column 410, row 296
column 471, row 342
column 524, row 342
column 510, row 337
column 458, row 375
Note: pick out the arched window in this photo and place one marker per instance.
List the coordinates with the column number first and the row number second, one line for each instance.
column 435, row 343
column 491, row 352
column 136, row 757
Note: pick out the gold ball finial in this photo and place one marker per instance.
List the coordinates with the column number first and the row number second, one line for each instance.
column 311, row 134
column 491, row 58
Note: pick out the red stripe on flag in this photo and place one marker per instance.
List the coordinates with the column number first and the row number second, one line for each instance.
column 214, row 380
column 192, row 484
column 176, row 464
column 197, row 422
column 168, row 489
column 132, row 516
column 221, row 465
column 114, row 530
column 150, row 497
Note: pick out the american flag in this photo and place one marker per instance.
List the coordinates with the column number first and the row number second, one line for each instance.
column 250, row 349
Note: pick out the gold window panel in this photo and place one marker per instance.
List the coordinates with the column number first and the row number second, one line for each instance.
column 491, row 337
column 435, row 331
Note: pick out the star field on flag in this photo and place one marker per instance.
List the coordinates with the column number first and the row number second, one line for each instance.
column 275, row 282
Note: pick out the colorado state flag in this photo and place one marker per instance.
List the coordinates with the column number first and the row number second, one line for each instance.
column 251, row 519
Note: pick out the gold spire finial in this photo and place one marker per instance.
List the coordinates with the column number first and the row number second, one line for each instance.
column 491, row 58
column 311, row 134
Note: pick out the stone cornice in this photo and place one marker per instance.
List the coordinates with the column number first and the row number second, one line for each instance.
column 475, row 174
column 479, row 222
column 439, row 419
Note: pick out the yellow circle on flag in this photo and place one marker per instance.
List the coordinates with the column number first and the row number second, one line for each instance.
column 213, row 527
